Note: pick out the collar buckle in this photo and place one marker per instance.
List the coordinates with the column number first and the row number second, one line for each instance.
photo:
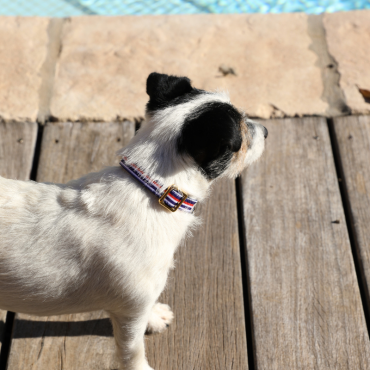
column 177, row 206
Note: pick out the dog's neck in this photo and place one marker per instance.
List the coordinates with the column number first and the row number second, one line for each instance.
column 163, row 163
column 170, row 198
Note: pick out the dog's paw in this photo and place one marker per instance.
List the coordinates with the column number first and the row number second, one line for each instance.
column 160, row 318
column 145, row 366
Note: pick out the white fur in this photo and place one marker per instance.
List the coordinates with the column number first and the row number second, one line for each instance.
column 160, row 318
column 103, row 241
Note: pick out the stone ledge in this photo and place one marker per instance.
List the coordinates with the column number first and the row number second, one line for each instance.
column 95, row 68
column 23, row 49
column 348, row 38
column 104, row 63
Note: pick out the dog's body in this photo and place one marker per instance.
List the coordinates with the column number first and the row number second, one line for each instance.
column 104, row 241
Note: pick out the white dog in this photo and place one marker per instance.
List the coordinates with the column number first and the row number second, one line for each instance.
column 107, row 240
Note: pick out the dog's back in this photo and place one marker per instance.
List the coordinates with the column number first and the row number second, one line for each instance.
column 41, row 248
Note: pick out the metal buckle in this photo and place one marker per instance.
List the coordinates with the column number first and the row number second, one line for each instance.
column 163, row 197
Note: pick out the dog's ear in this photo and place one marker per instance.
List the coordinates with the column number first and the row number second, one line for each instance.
column 162, row 89
column 211, row 136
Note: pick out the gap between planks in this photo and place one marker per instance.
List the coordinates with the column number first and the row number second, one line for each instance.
column 17, row 148
column 350, row 137
column 245, row 276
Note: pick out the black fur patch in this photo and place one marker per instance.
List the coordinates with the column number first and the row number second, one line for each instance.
column 165, row 91
column 211, row 135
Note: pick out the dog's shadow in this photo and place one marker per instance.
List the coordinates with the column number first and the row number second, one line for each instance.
column 36, row 329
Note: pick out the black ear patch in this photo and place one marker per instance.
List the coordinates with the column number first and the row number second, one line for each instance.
column 164, row 90
column 211, row 136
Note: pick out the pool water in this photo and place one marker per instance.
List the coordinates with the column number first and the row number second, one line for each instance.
column 64, row 8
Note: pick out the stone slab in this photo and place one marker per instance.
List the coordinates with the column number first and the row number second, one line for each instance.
column 348, row 38
column 23, row 50
column 104, row 63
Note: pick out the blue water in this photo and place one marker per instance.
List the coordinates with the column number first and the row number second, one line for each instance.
column 65, row 8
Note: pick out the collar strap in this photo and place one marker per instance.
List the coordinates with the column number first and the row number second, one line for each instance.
column 171, row 198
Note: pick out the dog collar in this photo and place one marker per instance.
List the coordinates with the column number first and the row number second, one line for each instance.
column 172, row 198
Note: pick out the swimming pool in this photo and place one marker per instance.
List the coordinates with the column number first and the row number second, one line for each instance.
column 64, row 8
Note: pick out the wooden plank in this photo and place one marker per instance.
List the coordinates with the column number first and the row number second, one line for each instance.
column 353, row 136
column 82, row 341
column 72, row 342
column 17, row 146
column 70, row 150
column 205, row 292
column 306, row 305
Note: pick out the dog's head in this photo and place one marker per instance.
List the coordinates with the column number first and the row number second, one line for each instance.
column 202, row 126
column 193, row 134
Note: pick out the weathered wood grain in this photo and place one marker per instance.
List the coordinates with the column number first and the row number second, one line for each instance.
column 353, row 137
column 17, row 146
column 70, row 150
column 68, row 342
column 82, row 341
column 306, row 305
column 205, row 289
column 205, row 293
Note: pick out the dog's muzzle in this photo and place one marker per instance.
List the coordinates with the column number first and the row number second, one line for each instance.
column 252, row 128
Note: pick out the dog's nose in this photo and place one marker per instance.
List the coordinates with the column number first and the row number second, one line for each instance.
column 265, row 132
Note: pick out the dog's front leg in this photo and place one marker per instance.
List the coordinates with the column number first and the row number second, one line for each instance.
column 129, row 336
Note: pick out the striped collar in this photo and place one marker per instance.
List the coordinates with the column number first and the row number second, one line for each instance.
column 171, row 198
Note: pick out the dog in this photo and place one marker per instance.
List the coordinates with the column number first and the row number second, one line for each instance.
column 107, row 240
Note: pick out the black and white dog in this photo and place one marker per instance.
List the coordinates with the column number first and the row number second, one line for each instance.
column 107, row 240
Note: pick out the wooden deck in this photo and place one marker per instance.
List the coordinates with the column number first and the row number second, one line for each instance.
column 276, row 278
